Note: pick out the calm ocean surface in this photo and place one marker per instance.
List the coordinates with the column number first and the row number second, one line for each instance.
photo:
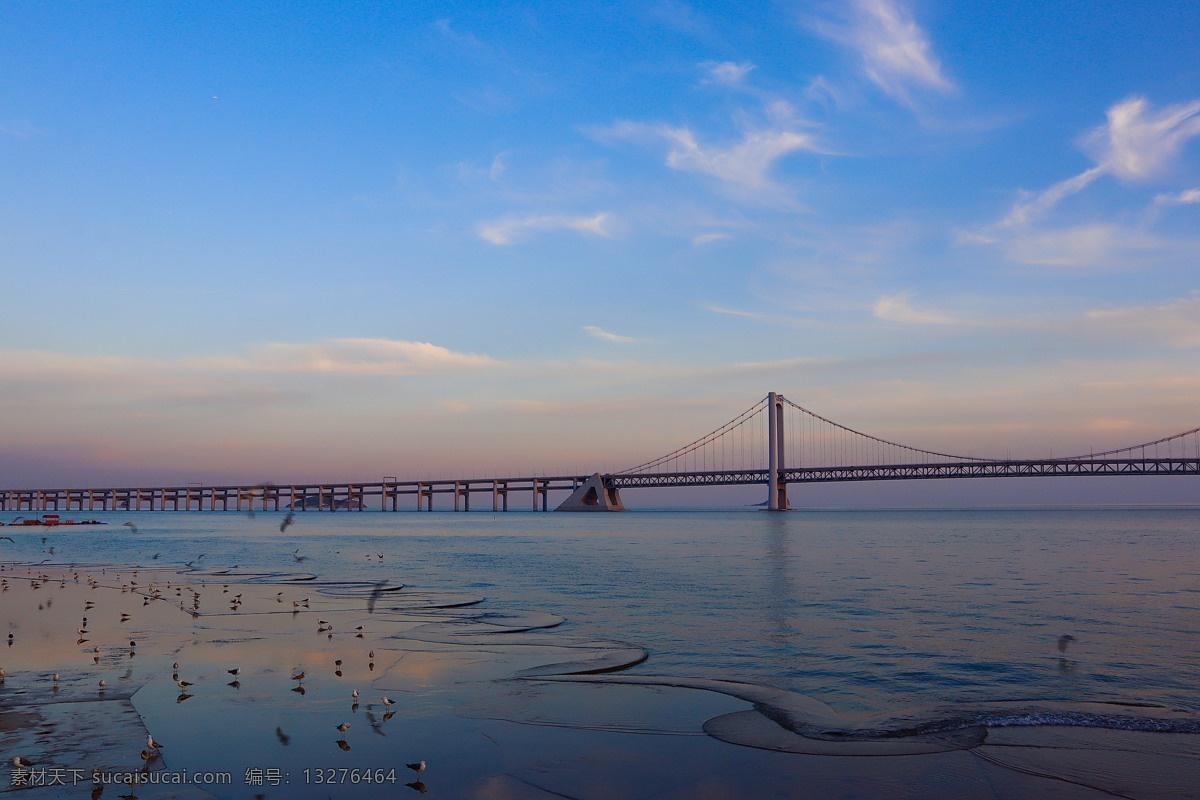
column 874, row 612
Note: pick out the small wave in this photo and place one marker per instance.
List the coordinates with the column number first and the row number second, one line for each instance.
column 792, row 722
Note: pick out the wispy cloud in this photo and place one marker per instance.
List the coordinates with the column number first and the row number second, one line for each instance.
column 236, row 377
column 1096, row 244
column 897, row 308
column 1176, row 323
column 499, row 165
column 1139, row 142
column 356, row 356
column 895, row 51
column 681, row 17
column 735, row 312
column 513, row 229
column 1026, row 210
column 726, row 73
column 743, row 166
column 608, row 336
column 1186, row 197
column 1135, row 144
column 708, row 238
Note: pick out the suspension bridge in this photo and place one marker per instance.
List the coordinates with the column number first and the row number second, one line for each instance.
column 774, row 443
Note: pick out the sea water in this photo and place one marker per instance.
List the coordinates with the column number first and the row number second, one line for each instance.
column 914, row 619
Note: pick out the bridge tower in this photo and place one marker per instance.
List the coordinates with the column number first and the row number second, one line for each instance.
column 776, row 486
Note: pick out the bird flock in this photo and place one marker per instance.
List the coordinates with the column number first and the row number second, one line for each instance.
column 188, row 598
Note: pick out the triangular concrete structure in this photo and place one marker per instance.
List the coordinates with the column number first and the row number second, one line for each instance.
column 593, row 495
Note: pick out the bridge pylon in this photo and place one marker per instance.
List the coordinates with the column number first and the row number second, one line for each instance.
column 777, row 499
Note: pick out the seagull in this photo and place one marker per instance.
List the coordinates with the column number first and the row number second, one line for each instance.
column 20, row 763
column 387, row 702
column 1063, row 641
column 153, row 745
column 345, row 726
column 131, row 526
column 288, row 520
column 299, row 676
column 418, row 767
column 281, row 736
column 235, row 671
column 183, row 684
column 299, row 558
column 376, row 592
column 14, row 541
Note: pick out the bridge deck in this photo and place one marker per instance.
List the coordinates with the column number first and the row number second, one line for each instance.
column 387, row 495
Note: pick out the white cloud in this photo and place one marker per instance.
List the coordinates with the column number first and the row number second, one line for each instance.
column 895, row 50
column 733, row 312
column 743, row 165
column 237, row 378
column 513, row 229
column 1186, row 197
column 709, row 238
column 726, row 73
column 896, row 308
column 1138, row 142
column 357, row 356
column 1024, row 212
column 607, row 336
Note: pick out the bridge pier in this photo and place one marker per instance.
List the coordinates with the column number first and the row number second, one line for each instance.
column 594, row 494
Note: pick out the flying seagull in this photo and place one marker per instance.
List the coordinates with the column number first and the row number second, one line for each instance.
column 376, row 593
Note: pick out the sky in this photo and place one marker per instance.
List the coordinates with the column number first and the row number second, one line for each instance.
column 318, row 241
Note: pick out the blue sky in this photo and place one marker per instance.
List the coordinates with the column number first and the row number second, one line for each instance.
column 347, row 240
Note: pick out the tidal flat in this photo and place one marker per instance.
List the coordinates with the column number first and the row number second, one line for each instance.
column 246, row 675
